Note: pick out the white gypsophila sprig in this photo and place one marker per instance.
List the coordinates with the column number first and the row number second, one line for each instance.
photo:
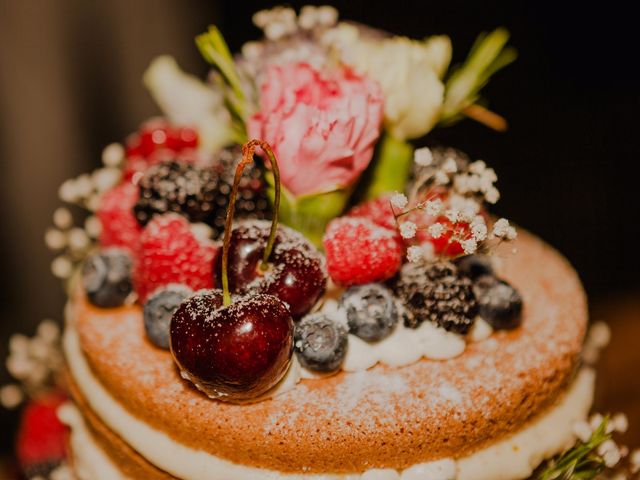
column 436, row 230
column 408, row 230
column 469, row 246
column 399, row 200
column 433, row 207
column 277, row 22
column 415, row 254
column 311, row 17
column 423, row 157
column 33, row 362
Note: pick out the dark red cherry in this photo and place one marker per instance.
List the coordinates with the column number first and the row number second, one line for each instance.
column 234, row 353
column 296, row 273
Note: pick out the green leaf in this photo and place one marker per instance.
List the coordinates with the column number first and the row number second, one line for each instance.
column 581, row 462
column 215, row 51
column 488, row 54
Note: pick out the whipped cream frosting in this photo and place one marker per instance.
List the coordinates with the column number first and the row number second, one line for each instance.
column 509, row 459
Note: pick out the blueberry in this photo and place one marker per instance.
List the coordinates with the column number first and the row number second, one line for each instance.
column 499, row 303
column 106, row 277
column 474, row 266
column 320, row 342
column 158, row 311
column 371, row 311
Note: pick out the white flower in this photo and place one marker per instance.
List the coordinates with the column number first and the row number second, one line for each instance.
column 441, row 178
column 620, row 422
column 423, row 157
column 512, row 234
column 500, row 228
column 492, row 195
column 414, row 254
column 479, row 229
column 450, row 166
column 436, row 230
column 413, row 88
column 433, row 207
column 187, row 101
column 399, row 200
column 469, row 246
column 477, row 167
column 113, row 155
column 408, row 230
column 634, row 460
column 610, row 453
column 595, row 420
column 582, row 430
column 452, row 214
column 312, row 16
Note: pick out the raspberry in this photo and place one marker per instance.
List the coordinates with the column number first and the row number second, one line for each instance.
column 119, row 225
column 359, row 251
column 378, row 211
column 170, row 253
column 443, row 244
column 155, row 142
column 41, row 436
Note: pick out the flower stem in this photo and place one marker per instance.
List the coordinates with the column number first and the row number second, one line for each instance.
column 248, row 150
column 391, row 169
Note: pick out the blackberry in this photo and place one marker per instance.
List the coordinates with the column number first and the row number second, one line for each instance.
column 437, row 293
column 252, row 201
column 202, row 193
column 371, row 311
column 180, row 187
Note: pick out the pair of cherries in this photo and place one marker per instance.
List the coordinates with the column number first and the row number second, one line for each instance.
column 237, row 348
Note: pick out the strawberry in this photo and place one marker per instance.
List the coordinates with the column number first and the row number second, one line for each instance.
column 359, row 251
column 41, row 436
column 170, row 253
column 377, row 210
column 119, row 225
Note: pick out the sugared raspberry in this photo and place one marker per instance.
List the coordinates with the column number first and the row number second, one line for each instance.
column 42, row 437
column 443, row 245
column 158, row 141
column 119, row 225
column 359, row 251
column 378, row 211
column 170, row 253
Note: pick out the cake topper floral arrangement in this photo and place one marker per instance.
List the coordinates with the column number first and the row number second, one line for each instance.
column 345, row 233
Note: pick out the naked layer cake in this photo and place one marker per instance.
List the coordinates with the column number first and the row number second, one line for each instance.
column 284, row 286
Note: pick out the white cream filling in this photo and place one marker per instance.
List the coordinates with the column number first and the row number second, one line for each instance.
column 89, row 460
column 511, row 459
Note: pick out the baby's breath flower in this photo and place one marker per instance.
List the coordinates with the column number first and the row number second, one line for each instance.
column 512, row 234
column 452, row 214
column 492, row 195
column 450, row 166
column 113, row 155
column 436, row 230
column 582, row 430
column 469, row 246
column 477, row 167
column 408, row 230
column 55, row 239
column 414, row 254
column 620, row 422
column 500, row 228
column 433, row 207
column 441, row 178
column 634, row 460
column 399, row 200
column 423, row 157
column 479, row 230
column 62, row 218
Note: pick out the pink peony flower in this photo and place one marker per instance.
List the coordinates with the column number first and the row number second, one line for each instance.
column 322, row 126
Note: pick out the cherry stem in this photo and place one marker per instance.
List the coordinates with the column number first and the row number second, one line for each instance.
column 248, row 150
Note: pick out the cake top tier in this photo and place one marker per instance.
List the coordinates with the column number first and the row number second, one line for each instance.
column 329, row 236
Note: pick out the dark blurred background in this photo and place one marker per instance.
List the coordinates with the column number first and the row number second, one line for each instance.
column 70, row 83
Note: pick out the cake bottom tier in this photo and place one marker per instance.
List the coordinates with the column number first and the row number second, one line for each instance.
column 100, row 454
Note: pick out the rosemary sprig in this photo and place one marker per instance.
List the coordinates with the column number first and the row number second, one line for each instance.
column 462, row 90
column 215, row 51
column 582, row 461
